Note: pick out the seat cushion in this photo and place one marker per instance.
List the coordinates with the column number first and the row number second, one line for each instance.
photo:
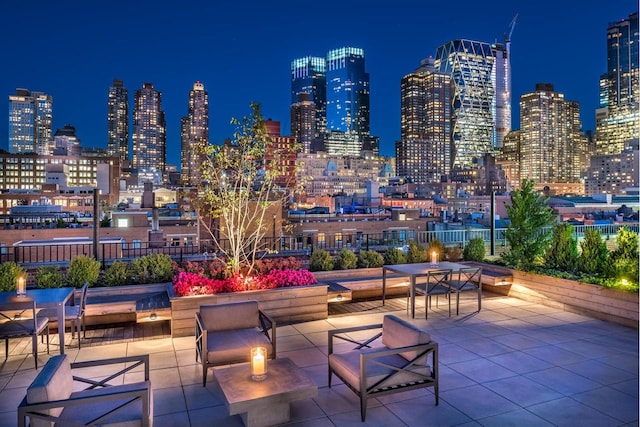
column 22, row 327
column 233, row 346
column 54, row 382
column 347, row 366
column 397, row 332
column 221, row 317
column 130, row 416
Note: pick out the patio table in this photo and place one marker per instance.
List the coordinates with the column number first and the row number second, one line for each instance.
column 48, row 298
column 413, row 271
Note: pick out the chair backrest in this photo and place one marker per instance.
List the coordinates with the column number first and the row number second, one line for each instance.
column 438, row 278
column 233, row 315
column 470, row 275
column 397, row 333
column 54, row 382
column 18, row 317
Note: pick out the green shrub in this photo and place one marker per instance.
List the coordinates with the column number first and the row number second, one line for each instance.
column 320, row 260
column 152, row 268
column 594, row 253
column 49, row 277
column 395, row 256
column 624, row 258
column 9, row 273
column 346, row 260
column 475, row 250
column 436, row 246
column 117, row 274
column 370, row 259
column 562, row 252
column 83, row 269
column 416, row 253
column 453, row 253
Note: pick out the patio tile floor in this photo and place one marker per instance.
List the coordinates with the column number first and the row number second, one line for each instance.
column 515, row 363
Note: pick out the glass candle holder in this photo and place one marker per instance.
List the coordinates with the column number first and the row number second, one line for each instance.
column 434, row 259
column 258, row 363
column 21, row 286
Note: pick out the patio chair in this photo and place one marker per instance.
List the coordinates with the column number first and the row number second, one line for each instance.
column 73, row 314
column 405, row 358
column 436, row 284
column 469, row 279
column 225, row 334
column 19, row 319
column 56, row 395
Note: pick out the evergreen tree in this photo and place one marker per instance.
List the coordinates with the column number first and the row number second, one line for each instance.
column 562, row 253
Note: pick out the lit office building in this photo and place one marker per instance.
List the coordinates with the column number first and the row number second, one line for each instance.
column 194, row 131
column 347, row 91
column 303, row 121
column 618, row 118
column 509, row 159
column 613, row 173
column 553, row 148
column 149, row 135
column 480, row 75
column 423, row 153
column 309, row 76
column 118, row 121
column 30, row 122
column 66, row 142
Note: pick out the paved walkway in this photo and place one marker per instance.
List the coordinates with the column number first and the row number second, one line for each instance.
column 515, row 363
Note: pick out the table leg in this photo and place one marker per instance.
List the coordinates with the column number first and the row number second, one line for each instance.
column 61, row 326
column 412, row 291
column 384, row 283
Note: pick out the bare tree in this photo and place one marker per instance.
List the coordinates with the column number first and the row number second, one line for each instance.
column 242, row 186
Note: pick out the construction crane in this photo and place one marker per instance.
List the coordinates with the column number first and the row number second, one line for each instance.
column 512, row 25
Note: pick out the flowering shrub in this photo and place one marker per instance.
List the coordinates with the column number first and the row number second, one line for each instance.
column 268, row 264
column 192, row 283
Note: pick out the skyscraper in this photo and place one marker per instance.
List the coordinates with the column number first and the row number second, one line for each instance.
column 303, row 121
column 347, row 91
column 618, row 118
column 195, row 130
column 118, row 121
column 309, row 75
column 552, row 146
column 30, row 122
column 149, row 135
column 423, row 153
column 481, row 116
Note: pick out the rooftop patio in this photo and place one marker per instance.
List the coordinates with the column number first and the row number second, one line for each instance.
column 514, row 363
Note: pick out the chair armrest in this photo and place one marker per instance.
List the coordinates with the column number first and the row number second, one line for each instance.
column 201, row 338
column 132, row 362
column 267, row 323
column 370, row 357
column 140, row 391
column 340, row 334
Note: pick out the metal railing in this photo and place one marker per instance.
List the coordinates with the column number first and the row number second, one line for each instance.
column 289, row 245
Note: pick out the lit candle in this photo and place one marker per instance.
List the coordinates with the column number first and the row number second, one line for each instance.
column 22, row 286
column 434, row 257
column 258, row 363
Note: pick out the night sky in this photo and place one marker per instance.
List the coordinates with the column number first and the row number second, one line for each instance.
column 242, row 50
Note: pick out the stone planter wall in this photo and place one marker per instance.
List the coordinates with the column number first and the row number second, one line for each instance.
column 576, row 297
column 301, row 303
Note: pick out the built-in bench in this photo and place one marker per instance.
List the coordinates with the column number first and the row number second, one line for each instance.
column 367, row 288
column 139, row 303
column 493, row 275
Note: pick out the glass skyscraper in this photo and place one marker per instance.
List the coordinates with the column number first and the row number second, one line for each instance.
column 480, row 97
column 195, row 130
column 118, row 121
column 309, row 75
column 618, row 119
column 347, row 91
column 149, row 135
column 30, row 122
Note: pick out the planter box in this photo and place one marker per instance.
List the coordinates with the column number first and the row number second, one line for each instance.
column 294, row 304
column 362, row 283
column 570, row 295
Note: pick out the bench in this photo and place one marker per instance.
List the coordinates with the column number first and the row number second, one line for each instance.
column 54, row 395
column 139, row 303
column 367, row 288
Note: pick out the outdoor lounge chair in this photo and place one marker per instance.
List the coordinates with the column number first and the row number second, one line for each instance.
column 52, row 399
column 225, row 334
column 405, row 358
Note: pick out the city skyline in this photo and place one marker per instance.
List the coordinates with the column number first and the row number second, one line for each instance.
column 562, row 44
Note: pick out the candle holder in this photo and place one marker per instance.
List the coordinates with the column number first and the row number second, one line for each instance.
column 21, row 286
column 434, row 259
column 258, row 363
